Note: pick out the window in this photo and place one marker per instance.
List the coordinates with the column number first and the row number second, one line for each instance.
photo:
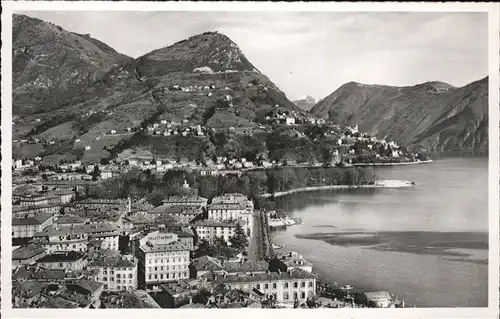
column 295, row 296
column 105, row 278
column 156, row 276
column 149, row 276
column 274, row 285
column 295, row 285
column 286, row 285
column 117, row 275
column 285, row 295
column 310, row 284
column 156, row 268
column 266, row 286
column 118, row 287
column 117, row 281
column 303, row 295
column 130, row 275
column 303, row 284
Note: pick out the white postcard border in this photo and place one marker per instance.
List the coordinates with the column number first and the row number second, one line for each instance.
column 6, row 180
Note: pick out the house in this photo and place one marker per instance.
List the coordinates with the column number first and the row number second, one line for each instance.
column 290, row 121
column 191, row 201
column 85, row 293
column 184, row 214
column 286, row 262
column 27, row 293
column 30, row 224
column 78, row 237
column 381, row 299
column 107, row 174
column 70, row 220
column 27, row 255
column 34, row 200
column 115, row 271
column 246, row 267
column 205, row 264
column 70, row 260
column 178, row 293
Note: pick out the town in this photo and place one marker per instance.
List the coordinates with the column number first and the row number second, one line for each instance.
column 187, row 252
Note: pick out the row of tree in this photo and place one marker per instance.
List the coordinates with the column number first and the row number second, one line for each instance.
column 157, row 187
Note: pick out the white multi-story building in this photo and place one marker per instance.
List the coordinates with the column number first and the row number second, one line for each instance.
column 163, row 257
column 232, row 207
column 284, row 287
column 211, row 229
column 115, row 271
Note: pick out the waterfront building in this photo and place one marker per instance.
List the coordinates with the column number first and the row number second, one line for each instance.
column 286, row 262
column 30, row 224
column 163, row 257
column 115, row 271
column 232, row 207
column 381, row 299
column 27, row 255
column 283, row 287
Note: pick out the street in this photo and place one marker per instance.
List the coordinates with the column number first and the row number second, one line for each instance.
column 254, row 248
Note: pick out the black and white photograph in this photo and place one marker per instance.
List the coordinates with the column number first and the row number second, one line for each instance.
column 270, row 159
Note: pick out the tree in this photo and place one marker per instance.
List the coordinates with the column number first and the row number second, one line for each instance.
column 204, row 249
column 219, row 242
column 104, row 161
column 95, row 173
column 156, row 197
column 239, row 240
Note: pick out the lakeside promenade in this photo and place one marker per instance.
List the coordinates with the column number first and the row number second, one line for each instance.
column 377, row 184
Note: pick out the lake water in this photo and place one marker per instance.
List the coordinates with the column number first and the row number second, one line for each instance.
column 427, row 244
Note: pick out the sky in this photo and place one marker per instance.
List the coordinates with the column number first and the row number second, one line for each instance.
column 311, row 53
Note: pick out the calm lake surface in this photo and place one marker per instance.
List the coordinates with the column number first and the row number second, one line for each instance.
column 428, row 244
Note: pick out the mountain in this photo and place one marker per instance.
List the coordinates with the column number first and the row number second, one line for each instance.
column 51, row 64
column 306, row 103
column 432, row 115
column 204, row 80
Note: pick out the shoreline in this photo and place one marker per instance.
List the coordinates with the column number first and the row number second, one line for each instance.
column 377, row 184
column 393, row 164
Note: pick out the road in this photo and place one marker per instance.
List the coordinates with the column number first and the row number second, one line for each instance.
column 255, row 247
